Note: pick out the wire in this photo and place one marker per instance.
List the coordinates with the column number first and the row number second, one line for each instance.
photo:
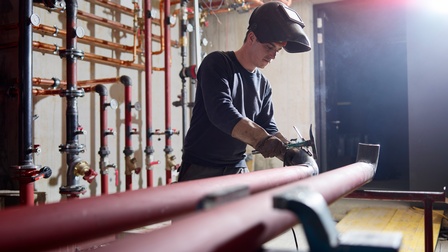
column 295, row 238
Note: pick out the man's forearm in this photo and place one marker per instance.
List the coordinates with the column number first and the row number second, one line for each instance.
column 249, row 132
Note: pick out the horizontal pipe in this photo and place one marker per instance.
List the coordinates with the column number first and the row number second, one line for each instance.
column 112, row 5
column 245, row 224
column 48, row 48
column 53, row 31
column 96, row 217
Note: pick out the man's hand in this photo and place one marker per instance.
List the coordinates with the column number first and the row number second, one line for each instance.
column 271, row 146
column 297, row 156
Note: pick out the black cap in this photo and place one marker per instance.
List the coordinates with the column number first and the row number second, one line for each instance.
column 276, row 22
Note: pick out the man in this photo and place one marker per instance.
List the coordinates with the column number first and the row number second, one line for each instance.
column 233, row 105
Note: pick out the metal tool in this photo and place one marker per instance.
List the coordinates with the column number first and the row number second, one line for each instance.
column 301, row 143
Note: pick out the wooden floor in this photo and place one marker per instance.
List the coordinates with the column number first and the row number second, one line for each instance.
column 378, row 216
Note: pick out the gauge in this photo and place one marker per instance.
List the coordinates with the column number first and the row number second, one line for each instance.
column 35, row 19
column 80, row 32
column 138, row 106
column 113, row 104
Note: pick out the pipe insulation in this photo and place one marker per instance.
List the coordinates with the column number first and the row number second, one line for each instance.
column 96, row 217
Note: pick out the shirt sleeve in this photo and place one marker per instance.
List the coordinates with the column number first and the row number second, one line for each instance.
column 215, row 76
column 266, row 116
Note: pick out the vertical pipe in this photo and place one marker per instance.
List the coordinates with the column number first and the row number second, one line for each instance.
column 168, row 132
column 104, row 144
column 128, row 127
column 183, row 52
column 72, row 102
column 149, row 150
column 197, row 35
column 131, row 162
column 25, row 104
column 104, row 149
column 428, row 225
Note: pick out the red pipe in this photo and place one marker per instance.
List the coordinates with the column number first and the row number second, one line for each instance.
column 248, row 223
column 168, row 132
column 149, row 150
column 104, row 144
column 130, row 162
column 104, row 133
column 96, row 217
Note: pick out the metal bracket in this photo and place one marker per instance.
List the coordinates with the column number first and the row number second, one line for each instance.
column 311, row 209
column 223, row 196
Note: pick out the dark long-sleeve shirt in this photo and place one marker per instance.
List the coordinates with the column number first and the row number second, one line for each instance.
column 226, row 92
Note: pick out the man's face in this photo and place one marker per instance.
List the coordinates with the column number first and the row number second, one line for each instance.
column 266, row 52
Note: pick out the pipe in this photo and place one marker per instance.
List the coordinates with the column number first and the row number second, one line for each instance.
column 104, row 133
column 149, row 149
column 54, row 49
column 170, row 163
column 130, row 162
column 75, row 165
column 112, row 5
column 56, row 32
column 248, row 223
column 183, row 53
column 101, row 216
column 26, row 172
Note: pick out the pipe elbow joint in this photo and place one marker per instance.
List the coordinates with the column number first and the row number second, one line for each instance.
column 101, row 90
column 126, row 80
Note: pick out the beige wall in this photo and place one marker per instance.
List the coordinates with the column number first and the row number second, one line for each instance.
column 291, row 76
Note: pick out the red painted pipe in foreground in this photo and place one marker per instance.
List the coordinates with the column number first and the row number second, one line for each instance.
column 245, row 224
column 55, row 225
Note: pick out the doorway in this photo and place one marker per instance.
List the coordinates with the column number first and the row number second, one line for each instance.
column 361, row 86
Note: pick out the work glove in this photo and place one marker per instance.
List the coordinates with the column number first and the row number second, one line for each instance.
column 297, row 156
column 271, row 146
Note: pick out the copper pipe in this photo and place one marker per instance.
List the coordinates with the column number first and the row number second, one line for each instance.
column 112, row 5
column 109, row 214
column 41, row 82
column 54, row 31
column 47, row 48
column 104, row 21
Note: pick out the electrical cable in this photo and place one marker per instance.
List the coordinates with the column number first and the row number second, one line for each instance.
column 295, row 238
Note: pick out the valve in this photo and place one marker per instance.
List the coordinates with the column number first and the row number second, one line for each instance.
column 36, row 149
column 131, row 165
column 80, row 130
column 170, row 163
column 83, row 169
column 45, row 172
column 109, row 131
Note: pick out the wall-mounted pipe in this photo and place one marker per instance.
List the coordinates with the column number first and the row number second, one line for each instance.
column 76, row 167
column 54, row 49
column 109, row 214
column 246, row 224
column 130, row 161
column 112, row 5
column 149, row 149
column 57, row 32
column 104, row 151
column 170, row 163
column 26, row 172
